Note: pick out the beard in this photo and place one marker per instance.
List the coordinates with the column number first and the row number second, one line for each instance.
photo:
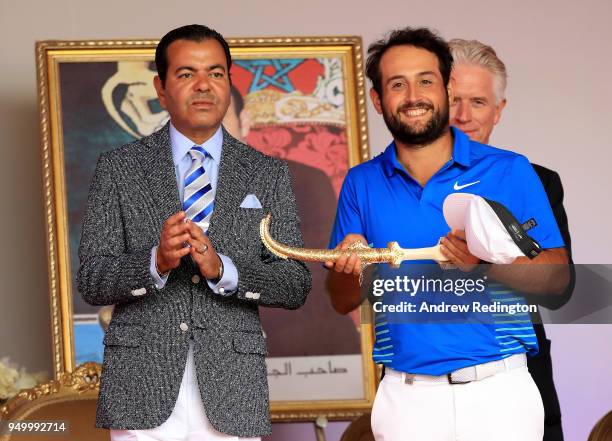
column 421, row 136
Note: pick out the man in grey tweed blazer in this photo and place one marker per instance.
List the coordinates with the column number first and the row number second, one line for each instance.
column 185, row 300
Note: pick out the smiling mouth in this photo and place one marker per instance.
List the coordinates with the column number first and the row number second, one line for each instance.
column 415, row 112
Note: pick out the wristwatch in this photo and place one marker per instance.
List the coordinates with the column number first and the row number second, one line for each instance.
column 220, row 275
column 159, row 273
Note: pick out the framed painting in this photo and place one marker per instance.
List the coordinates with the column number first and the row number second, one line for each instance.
column 300, row 99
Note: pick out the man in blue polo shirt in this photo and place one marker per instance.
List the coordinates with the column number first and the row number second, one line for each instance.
column 398, row 196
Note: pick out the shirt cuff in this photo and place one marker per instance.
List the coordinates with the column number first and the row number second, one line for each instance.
column 160, row 281
column 229, row 282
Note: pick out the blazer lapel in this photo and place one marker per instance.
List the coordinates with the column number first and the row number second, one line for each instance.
column 232, row 184
column 158, row 167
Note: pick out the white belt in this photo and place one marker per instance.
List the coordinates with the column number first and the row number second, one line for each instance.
column 466, row 374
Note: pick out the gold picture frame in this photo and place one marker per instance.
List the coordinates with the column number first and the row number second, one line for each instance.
column 312, row 87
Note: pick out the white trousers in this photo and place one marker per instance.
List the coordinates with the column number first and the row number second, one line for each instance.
column 504, row 407
column 188, row 421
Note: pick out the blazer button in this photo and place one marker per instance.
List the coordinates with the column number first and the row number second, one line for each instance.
column 183, row 327
column 139, row 292
column 195, row 278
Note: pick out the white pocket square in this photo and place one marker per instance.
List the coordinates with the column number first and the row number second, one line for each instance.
column 250, row 201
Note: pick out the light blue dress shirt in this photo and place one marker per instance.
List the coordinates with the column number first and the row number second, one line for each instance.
column 182, row 162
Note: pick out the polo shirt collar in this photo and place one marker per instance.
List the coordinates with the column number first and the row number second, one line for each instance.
column 390, row 163
column 461, row 153
column 461, row 147
column 181, row 145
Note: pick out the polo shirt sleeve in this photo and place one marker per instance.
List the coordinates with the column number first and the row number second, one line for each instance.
column 348, row 219
column 531, row 202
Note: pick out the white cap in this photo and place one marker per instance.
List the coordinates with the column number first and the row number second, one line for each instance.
column 486, row 235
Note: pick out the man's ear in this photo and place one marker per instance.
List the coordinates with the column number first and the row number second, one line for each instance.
column 450, row 91
column 161, row 93
column 376, row 100
column 245, row 123
column 498, row 111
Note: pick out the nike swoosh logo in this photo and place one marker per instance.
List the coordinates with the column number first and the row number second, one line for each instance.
column 461, row 187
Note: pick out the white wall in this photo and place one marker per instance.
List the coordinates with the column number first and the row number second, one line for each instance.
column 559, row 91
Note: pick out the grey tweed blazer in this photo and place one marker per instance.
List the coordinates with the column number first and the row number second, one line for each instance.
column 133, row 192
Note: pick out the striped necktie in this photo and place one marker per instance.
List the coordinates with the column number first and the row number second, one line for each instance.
column 198, row 196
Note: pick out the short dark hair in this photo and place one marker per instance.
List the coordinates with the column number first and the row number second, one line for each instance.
column 418, row 37
column 192, row 32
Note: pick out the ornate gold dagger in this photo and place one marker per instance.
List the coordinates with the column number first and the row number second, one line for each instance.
column 393, row 254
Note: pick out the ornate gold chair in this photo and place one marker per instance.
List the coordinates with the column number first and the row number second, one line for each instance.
column 71, row 398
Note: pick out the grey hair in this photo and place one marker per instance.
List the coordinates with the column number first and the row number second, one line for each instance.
column 476, row 53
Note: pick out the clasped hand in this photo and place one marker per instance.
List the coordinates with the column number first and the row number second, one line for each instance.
column 181, row 236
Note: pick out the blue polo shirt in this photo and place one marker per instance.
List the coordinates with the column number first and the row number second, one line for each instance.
column 382, row 202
